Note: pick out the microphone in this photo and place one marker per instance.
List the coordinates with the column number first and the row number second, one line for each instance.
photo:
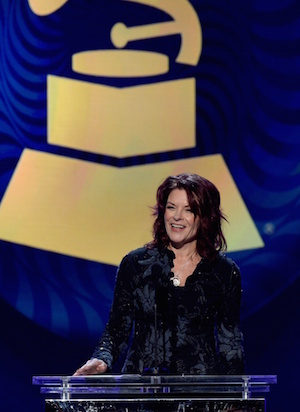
column 156, row 272
column 160, row 288
column 160, row 307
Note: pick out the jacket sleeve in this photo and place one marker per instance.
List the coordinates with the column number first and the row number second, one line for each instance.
column 114, row 340
column 229, row 336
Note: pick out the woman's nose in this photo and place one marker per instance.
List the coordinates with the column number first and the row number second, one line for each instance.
column 177, row 214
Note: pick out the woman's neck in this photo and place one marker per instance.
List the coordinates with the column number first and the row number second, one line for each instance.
column 185, row 251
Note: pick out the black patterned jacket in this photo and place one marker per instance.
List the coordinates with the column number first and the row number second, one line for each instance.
column 197, row 325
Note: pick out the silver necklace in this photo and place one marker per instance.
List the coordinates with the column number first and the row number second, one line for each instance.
column 176, row 278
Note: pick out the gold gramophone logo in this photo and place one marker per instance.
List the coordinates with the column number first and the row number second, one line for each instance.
column 99, row 212
column 128, row 121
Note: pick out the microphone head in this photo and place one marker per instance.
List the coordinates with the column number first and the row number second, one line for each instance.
column 161, row 289
column 156, row 269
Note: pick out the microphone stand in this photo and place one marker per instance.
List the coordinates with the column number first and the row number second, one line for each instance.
column 155, row 370
column 156, row 272
column 160, row 299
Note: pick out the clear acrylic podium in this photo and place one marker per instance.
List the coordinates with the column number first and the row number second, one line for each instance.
column 162, row 393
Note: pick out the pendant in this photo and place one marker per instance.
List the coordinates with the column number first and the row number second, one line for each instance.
column 176, row 281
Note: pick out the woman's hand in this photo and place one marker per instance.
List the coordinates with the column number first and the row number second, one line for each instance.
column 92, row 367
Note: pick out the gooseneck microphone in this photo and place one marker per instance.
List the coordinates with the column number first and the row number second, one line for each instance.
column 156, row 273
column 160, row 310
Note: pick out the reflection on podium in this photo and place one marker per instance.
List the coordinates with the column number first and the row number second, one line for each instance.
column 165, row 393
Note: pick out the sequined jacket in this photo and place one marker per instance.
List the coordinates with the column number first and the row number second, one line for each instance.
column 191, row 329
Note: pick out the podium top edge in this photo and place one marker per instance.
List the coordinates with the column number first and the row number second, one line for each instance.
column 135, row 379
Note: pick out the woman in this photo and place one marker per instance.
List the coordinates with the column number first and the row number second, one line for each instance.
column 177, row 300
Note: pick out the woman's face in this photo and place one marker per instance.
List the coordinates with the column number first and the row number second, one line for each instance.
column 180, row 223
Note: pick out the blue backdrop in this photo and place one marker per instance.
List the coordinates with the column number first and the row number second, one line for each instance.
column 54, row 306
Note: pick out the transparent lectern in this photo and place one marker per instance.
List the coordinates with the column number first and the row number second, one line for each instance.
column 161, row 393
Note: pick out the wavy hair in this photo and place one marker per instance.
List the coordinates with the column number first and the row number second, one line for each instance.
column 204, row 201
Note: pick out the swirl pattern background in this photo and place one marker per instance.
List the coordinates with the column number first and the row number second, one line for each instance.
column 248, row 102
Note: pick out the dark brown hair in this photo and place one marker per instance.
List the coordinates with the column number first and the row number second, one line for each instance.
column 204, row 201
